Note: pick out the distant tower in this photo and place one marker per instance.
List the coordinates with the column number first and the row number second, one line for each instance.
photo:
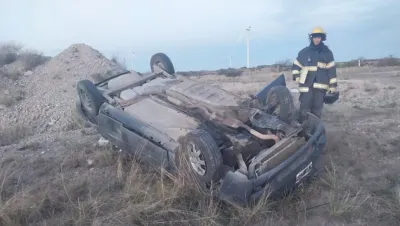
column 248, row 46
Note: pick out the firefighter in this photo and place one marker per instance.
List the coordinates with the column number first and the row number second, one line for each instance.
column 315, row 72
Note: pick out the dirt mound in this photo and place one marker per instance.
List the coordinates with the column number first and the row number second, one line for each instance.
column 50, row 89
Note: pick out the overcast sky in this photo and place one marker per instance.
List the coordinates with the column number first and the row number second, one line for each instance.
column 202, row 34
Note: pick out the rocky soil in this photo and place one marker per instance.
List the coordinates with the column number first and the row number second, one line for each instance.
column 49, row 90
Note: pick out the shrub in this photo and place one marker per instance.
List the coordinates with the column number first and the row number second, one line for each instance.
column 9, row 53
column 11, row 74
column 118, row 61
column 31, row 59
column 388, row 61
column 230, row 72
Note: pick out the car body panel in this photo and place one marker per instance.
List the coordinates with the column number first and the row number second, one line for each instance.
column 132, row 143
column 205, row 94
column 167, row 120
column 122, row 80
column 112, row 119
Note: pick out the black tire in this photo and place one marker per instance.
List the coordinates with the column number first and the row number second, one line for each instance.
column 163, row 61
column 210, row 153
column 81, row 116
column 90, row 98
column 280, row 96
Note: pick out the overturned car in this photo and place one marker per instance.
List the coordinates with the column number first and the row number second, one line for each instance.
column 241, row 146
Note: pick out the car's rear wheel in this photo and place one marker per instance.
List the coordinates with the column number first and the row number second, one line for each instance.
column 199, row 159
column 90, row 98
column 162, row 61
column 279, row 102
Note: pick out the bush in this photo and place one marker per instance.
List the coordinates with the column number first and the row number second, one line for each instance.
column 230, row 72
column 9, row 98
column 31, row 59
column 352, row 63
column 9, row 53
column 388, row 62
column 118, row 61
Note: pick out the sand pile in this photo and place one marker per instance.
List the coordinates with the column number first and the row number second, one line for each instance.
column 50, row 90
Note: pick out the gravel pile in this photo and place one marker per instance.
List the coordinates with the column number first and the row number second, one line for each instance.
column 50, row 90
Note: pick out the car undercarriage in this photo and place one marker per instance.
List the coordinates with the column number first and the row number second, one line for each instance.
column 161, row 118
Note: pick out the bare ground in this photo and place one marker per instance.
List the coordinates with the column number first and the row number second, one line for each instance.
column 60, row 175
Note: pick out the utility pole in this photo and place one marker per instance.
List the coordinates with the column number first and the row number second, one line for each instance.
column 248, row 46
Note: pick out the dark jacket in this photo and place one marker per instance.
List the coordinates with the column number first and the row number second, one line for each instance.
column 315, row 67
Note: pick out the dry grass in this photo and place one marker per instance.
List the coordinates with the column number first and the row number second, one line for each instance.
column 9, row 53
column 118, row 61
column 91, row 185
column 12, row 52
column 31, row 59
column 387, row 206
column 10, row 73
column 100, row 186
column 8, row 98
column 344, row 199
column 14, row 133
column 370, row 88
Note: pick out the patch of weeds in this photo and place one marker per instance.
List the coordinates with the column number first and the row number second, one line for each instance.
column 344, row 199
column 389, row 105
column 345, row 77
column 11, row 74
column 370, row 88
column 14, row 133
column 11, row 97
column 31, row 59
column 9, row 53
column 118, row 61
column 344, row 203
column 386, row 206
column 230, row 72
column 57, row 76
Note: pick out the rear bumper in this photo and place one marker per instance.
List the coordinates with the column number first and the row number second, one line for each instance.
column 299, row 167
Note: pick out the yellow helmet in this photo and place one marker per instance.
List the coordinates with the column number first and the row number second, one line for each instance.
column 318, row 31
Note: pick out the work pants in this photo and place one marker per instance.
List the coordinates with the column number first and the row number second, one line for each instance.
column 311, row 101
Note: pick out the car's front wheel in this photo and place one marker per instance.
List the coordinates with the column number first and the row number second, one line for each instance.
column 199, row 158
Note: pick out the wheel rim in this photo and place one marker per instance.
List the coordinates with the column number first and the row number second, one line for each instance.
column 196, row 159
column 85, row 100
column 274, row 102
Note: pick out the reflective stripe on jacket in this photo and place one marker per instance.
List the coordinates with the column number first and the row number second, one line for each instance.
column 315, row 67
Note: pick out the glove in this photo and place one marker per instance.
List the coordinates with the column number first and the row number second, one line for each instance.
column 332, row 89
